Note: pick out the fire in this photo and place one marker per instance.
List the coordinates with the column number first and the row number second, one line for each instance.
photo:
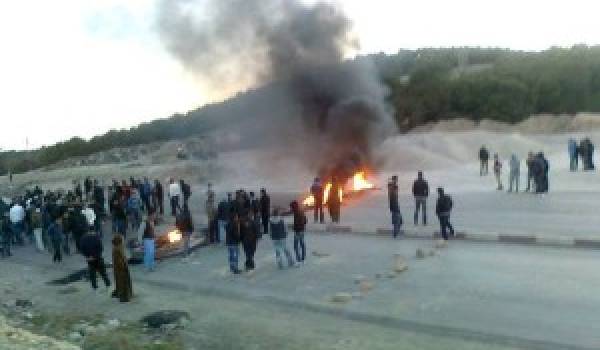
column 309, row 201
column 174, row 236
column 359, row 182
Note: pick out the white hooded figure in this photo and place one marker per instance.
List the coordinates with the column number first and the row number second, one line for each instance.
column 515, row 172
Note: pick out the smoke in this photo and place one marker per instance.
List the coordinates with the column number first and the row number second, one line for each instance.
column 335, row 107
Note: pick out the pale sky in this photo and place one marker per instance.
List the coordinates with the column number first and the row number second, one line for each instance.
column 81, row 67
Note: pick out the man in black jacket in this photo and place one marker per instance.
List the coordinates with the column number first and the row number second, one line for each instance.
column 317, row 192
column 265, row 210
column 232, row 239
column 78, row 225
column 394, row 205
column 443, row 209
column 420, row 192
column 484, row 156
column 159, row 196
column 91, row 248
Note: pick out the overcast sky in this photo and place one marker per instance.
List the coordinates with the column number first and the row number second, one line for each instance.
column 82, row 67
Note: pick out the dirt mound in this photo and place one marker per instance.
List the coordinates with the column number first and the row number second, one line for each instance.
column 537, row 124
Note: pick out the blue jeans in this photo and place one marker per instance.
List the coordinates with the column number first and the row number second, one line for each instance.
column 234, row 254
column 186, row 242
column 149, row 254
column 118, row 226
column 17, row 233
column 281, row 249
column 396, row 223
column 98, row 227
column 299, row 246
column 444, row 225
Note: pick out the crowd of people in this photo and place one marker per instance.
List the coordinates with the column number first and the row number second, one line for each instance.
column 62, row 222
column 537, row 166
column 243, row 220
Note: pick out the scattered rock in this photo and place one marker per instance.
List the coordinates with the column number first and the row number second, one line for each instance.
column 75, row 336
column 378, row 275
column 441, row 244
column 420, row 253
column 320, row 254
column 23, row 303
column 391, row 275
column 366, row 286
column 114, row 323
column 400, row 264
column 358, row 279
column 88, row 329
column 157, row 319
column 357, row 296
column 431, row 252
column 341, row 298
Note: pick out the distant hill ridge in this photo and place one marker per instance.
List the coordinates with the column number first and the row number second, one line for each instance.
column 426, row 86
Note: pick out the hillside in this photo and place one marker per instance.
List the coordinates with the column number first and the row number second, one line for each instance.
column 424, row 86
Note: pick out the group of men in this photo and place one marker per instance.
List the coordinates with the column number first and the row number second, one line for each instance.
column 333, row 200
column 54, row 220
column 420, row 191
column 583, row 150
column 245, row 219
column 538, row 169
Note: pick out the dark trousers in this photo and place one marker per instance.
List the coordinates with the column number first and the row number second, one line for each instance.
column 67, row 244
column 421, row 204
column 334, row 212
column 319, row 215
column 249, row 250
column 161, row 205
column 445, row 225
column 56, row 246
column 97, row 266
column 265, row 224
column 299, row 246
column 6, row 242
column 174, row 205
column 483, row 169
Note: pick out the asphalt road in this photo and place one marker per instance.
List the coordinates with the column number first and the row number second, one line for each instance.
column 466, row 296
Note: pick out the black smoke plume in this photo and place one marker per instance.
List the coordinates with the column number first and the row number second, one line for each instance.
column 334, row 108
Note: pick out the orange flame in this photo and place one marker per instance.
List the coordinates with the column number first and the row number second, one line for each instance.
column 359, row 183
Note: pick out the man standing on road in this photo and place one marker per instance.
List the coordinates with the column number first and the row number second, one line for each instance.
column 17, row 216
column 498, row 171
column 394, row 206
column 515, row 173
column 530, row 178
column 573, row 154
column 317, row 192
column 265, row 210
column 159, row 197
column 443, row 209
column 91, row 248
column 420, row 192
column 174, row 196
column 210, row 210
column 484, row 156
column 232, row 239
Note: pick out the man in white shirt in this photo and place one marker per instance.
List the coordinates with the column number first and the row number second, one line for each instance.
column 90, row 216
column 174, row 195
column 16, row 216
